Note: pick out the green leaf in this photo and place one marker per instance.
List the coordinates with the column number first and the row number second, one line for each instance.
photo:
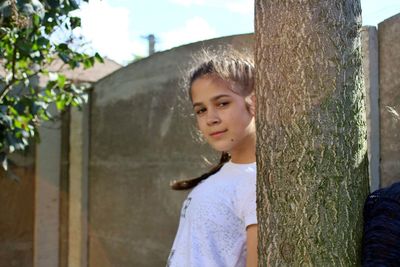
column 61, row 80
column 87, row 63
column 24, row 47
column 64, row 57
column 17, row 124
column 73, row 64
column 98, row 57
column 42, row 42
column 60, row 103
column 75, row 22
column 63, row 47
column 54, row 3
column 36, row 20
column 74, row 4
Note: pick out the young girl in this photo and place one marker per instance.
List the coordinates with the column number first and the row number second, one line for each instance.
column 218, row 223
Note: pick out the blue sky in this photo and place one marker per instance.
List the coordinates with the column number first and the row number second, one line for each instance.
column 116, row 28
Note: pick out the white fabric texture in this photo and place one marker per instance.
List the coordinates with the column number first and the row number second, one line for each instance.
column 214, row 217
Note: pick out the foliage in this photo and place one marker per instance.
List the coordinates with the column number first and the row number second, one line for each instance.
column 27, row 49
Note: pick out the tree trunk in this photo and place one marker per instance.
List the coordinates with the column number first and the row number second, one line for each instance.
column 311, row 151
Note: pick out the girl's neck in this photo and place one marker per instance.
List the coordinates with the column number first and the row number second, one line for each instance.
column 246, row 153
column 243, row 159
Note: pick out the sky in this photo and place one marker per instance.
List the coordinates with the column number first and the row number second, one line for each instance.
column 117, row 29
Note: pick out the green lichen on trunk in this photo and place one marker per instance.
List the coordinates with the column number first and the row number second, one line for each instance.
column 311, row 151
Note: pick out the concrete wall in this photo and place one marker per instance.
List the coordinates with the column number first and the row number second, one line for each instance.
column 389, row 84
column 140, row 140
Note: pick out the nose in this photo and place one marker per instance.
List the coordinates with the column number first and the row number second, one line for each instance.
column 212, row 117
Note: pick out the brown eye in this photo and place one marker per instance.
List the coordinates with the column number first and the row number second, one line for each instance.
column 200, row 111
column 223, row 104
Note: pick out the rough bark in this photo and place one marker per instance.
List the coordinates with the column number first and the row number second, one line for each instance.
column 311, row 151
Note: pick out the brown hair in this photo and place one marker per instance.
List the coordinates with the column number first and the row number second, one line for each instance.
column 230, row 66
column 190, row 183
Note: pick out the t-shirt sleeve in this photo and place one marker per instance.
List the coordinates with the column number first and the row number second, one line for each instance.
column 247, row 201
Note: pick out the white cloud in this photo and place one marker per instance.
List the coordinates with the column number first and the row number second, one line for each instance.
column 244, row 7
column 107, row 28
column 188, row 2
column 195, row 29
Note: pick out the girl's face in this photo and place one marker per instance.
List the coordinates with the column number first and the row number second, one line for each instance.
column 222, row 115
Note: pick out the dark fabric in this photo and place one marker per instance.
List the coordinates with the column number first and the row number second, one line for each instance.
column 381, row 239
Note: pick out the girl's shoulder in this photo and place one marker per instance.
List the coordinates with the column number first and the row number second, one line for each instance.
column 239, row 176
column 241, row 166
column 240, row 169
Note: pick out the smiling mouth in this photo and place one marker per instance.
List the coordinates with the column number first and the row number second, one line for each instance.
column 217, row 134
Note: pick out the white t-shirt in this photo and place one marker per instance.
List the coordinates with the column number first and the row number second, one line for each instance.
column 214, row 217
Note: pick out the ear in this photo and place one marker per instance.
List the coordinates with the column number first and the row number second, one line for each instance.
column 253, row 104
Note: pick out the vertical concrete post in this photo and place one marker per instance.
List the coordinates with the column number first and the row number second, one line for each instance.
column 78, row 187
column 369, row 37
column 47, row 196
column 64, row 189
column 389, row 84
